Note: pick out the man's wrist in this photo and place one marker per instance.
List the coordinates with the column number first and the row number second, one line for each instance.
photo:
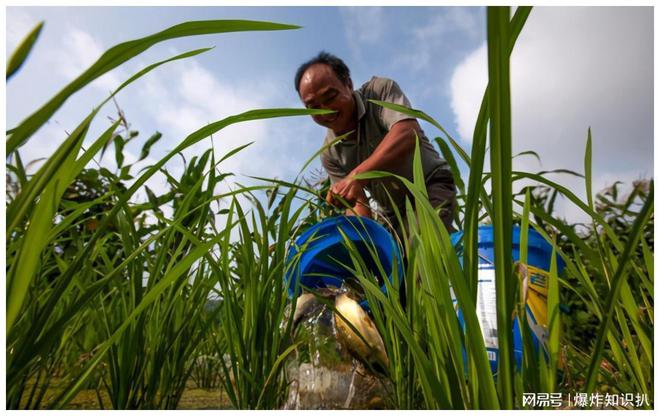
column 356, row 172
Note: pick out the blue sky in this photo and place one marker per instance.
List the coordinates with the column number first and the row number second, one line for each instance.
column 573, row 67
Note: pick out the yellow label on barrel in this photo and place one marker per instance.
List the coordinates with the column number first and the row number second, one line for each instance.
column 537, row 301
column 538, row 280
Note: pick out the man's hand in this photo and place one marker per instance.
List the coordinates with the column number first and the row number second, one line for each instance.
column 352, row 191
column 349, row 189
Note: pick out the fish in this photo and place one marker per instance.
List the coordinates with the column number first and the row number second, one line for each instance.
column 304, row 304
column 308, row 302
column 371, row 352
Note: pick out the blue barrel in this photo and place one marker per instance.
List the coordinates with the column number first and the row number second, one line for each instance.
column 319, row 256
column 539, row 255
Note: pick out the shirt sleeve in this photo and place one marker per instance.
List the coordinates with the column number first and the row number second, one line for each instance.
column 335, row 172
column 389, row 91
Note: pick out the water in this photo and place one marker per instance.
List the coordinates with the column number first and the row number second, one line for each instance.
column 323, row 373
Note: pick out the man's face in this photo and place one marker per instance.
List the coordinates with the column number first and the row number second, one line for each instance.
column 321, row 89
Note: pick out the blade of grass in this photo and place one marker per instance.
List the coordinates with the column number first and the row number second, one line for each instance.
column 553, row 322
column 449, row 157
column 21, row 53
column 500, row 159
column 121, row 53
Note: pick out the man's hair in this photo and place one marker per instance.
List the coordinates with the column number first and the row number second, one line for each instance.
column 338, row 66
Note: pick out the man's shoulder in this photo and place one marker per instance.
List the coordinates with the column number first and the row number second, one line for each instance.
column 376, row 86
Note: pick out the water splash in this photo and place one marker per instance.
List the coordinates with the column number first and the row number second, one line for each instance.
column 322, row 373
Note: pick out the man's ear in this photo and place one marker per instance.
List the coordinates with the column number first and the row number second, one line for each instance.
column 350, row 84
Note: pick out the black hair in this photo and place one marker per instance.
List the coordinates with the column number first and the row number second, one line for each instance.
column 338, row 67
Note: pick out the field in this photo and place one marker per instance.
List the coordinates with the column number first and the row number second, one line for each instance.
column 150, row 308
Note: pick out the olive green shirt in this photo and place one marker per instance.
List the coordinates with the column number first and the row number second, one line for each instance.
column 374, row 122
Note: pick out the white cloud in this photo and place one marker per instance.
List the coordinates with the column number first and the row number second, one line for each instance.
column 467, row 88
column 573, row 68
column 78, row 52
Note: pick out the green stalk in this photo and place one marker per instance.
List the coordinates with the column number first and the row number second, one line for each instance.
column 478, row 153
column 500, row 157
column 554, row 322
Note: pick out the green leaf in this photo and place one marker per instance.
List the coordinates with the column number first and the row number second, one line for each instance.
column 475, row 344
column 566, row 171
column 528, row 153
column 322, row 149
column 147, row 145
column 553, row 321
column 234, row 151
column 587, row 171
column 21, row 53
column 119, row 150
column 153, row 200
column 451, row 160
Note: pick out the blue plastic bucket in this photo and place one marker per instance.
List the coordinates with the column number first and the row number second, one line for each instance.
column 319, row 256
column 539, row 255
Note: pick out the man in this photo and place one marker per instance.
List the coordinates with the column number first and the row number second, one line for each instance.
column 377, row 139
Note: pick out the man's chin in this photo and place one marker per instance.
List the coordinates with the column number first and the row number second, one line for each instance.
column 339, row 130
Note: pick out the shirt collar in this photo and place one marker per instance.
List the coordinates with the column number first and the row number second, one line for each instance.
column 359, row 102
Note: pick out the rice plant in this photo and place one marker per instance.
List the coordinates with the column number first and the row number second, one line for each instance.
column 111, row 295
column 432, row 261
column 49, row 295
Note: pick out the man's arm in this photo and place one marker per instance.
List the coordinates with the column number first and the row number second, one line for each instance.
column 398, row 143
